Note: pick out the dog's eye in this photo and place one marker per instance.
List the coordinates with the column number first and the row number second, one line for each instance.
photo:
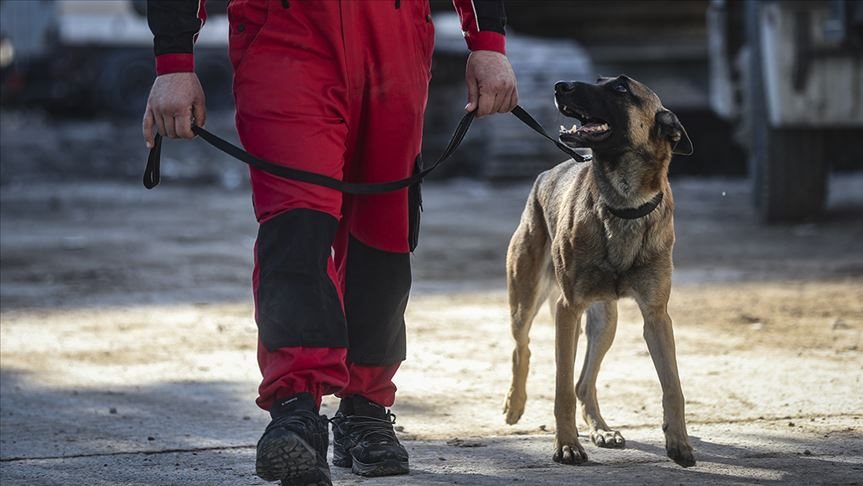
column 621, row 88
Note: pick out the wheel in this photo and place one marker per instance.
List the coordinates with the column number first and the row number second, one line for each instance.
column 790, row 174
column 125, row 81
column 787, row 165
column 216, row 75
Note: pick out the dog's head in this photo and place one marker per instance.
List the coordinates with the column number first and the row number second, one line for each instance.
column 618, row 115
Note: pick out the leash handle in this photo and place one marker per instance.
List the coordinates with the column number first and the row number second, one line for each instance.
column 152, row 173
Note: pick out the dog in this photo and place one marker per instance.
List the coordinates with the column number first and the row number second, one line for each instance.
column 589, row 235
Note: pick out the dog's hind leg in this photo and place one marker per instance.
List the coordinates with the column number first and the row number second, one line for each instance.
column 526, row 265
column 600, row 328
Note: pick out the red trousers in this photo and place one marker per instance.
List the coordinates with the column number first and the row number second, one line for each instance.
column 337, row 88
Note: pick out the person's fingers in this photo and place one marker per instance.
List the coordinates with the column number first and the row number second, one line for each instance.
column 472, row 95
column 498, row 101
column 199, row 112
column 176, row 102
column 149, row 133
column 506, row 106
column 501, row 98
column 160, row 123
column 511, row 102
column 505, row 98
column 491, row 84
column 486, row 103
column 183, row 125
column 170, row 129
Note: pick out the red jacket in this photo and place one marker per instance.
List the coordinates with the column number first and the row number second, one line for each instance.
column 176, row 23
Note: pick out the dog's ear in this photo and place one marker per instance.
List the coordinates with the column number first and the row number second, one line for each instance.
column 669, row 127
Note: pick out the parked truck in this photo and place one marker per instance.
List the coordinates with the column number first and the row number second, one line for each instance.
column 789, row 75
column 96, row 56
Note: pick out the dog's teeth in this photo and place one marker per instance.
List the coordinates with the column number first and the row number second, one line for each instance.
column 593, row 128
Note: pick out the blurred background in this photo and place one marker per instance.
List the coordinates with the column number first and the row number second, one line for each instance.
column 768, row 90
column 127, row 313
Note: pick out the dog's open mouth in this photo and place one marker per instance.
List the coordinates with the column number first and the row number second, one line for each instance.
column 588, row 128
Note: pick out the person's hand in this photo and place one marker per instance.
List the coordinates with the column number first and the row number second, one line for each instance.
column 176, row 101
column 491, row 86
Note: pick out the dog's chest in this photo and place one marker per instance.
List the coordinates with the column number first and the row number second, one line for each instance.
column 625, row 240
column 603, row 260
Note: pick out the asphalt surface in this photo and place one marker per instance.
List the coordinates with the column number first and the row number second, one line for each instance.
column 127, row 342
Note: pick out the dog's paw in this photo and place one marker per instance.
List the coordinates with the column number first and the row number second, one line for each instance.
column 570, row 454
column 514, row 407
column 609, row 439
column 512, row 416
column 680, row 452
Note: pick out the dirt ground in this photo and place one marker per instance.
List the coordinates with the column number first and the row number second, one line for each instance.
column 127, row 343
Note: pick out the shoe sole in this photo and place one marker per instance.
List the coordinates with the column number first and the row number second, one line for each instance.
column 392, row 467
column 286, row 457
column 385, row 468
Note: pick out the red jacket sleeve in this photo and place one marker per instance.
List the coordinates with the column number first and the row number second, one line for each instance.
column 483, row 23
column 175, row 25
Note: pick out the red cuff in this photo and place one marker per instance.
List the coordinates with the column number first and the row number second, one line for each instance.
column 486, row 41
column 175, row 63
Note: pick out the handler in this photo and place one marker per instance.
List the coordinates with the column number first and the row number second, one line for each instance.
column 338, row 88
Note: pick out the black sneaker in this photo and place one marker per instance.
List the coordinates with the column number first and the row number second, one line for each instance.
column 293, row 449
column 364, row 439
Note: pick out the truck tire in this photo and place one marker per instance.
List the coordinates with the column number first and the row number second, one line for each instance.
column 790, row 174
column 216, row 75
column 125, row 81
column 787, row 165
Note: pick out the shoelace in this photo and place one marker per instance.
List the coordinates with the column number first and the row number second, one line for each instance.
column 366, row 427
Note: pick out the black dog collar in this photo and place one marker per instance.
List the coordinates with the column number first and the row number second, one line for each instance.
column 639, row 212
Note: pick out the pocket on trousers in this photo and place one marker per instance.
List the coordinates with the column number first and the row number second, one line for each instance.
column 425, row 42
column 415, row 207
column 246, row 19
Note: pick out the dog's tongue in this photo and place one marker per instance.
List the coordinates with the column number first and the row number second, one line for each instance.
column 593, row 127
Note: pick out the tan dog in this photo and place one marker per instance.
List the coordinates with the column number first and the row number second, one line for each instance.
column 589, row 235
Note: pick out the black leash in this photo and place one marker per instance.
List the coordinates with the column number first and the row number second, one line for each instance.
column 152, row 176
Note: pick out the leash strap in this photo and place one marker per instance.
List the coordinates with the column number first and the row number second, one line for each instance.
column 534, row 125
column 152, row 175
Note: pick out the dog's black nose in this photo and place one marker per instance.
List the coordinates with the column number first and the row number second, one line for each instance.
column 563, row 87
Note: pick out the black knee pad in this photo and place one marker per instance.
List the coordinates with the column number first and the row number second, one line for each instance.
column 377, row 287
column 297, row 302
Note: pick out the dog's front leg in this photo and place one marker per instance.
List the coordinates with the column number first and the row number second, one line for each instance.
column 660, row 343
column 567, row 449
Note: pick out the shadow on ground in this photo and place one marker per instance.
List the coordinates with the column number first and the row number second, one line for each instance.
column 204, row 433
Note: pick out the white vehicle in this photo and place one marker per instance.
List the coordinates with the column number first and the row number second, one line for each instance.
column 789, row 74
column 97, row 55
